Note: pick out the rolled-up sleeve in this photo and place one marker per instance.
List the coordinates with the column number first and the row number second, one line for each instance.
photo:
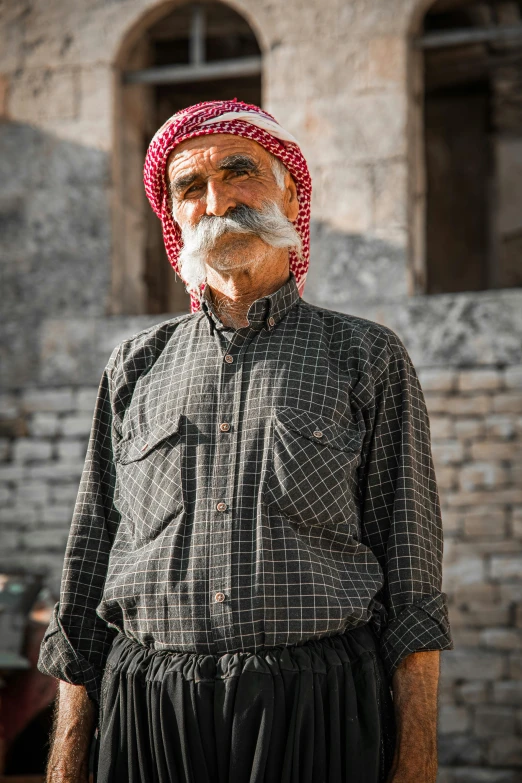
column 77, row 641
column 400, row 512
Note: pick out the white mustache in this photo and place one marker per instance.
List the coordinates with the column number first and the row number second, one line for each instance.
column 269, row 223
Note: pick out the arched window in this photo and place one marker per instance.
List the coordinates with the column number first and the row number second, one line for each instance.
column 197, row 52
column 472, row 116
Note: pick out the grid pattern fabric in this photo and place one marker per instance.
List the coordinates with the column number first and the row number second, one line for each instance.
column 253, row 488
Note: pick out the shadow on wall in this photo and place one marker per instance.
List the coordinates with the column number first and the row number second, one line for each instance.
column 353, row 266
column 54, row 239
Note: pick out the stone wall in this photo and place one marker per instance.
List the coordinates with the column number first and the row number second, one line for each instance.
column 338, row 75
column 476, row 424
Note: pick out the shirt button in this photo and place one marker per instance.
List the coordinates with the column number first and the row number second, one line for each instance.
column 318, row 434
column 271, row 321
column 224, row 427
column 220, row 597
column 228, row 358
column 221, row 506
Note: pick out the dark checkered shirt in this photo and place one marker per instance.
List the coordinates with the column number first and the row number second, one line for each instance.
column 251, row 488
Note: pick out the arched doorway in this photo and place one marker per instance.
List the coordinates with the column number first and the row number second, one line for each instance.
column 195, row 52
column 471, row 105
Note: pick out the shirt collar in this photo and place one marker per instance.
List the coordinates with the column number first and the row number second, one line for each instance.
column 266, row 311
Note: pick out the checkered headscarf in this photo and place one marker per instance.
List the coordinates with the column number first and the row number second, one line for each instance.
column 240, row 119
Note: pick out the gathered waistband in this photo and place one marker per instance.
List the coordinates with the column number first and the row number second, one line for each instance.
column 317, row 655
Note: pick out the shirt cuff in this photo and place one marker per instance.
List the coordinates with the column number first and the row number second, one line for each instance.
column 419, row 626
column 59, row 659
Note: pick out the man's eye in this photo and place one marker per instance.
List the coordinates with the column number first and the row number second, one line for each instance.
column 240, row 172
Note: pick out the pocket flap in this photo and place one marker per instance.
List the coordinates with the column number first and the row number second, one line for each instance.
column 139, row 446
column 320, row 429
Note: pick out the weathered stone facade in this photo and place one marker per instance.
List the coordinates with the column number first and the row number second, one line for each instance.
column 342, row 77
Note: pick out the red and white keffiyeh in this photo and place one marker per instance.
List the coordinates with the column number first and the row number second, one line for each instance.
column 239, row 119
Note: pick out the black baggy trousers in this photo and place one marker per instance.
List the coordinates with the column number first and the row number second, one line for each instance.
column 317, row 712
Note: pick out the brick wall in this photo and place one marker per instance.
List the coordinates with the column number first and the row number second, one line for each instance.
column 476, row 423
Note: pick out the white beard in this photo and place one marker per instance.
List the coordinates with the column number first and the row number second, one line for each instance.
column 199, row 242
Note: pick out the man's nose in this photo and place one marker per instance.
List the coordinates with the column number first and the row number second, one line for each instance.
column 218, row 200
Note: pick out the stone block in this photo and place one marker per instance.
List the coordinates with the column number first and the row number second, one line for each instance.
column 451, row 521
column 461, row 566
column 449, row 452
column 390, row 195
column 473, row 664
column 507, row 403
column 43, row 94
column 446, row 477
column 513, row 377
column 56, row 471
column 483, row 775
column 437, row 380
column 35, row 492
column 481, row 594
column 501, row 451
column 508, row 692
column 502, row 638
column 10, row 472
column 5, row 449
column 8, row 406
column 57, row 515
column 460, row 749
column 6, row 494
column 43, row 425
column 86, row 400
column 485, row 522
column 482, row 475
column 441, row 427
column 511, row 592
column 469, row 429
column 472, row 692
column 506, row 567
column 515, row 659
column 384, row 63
column 436, row 403
column 76, row 426
column 64, row 494
column 19, row 514
column 48, row 400
column 468, row 616
column 505, row 752
column 491, row 721
column 453, row 720
column 480, row 380
column 502, row 427
column 32, row 450
column 503, row 496
column 350, row 199
column 71, row 449
column 10, row 541
column 476, row 405
column 45, row 539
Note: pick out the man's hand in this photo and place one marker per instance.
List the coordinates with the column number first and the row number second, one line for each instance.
column 73, row 730
column 415, row 690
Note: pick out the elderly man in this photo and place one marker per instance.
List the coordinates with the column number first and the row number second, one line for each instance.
column 252, row 583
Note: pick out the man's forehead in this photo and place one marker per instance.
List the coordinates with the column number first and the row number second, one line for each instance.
column 212, row 149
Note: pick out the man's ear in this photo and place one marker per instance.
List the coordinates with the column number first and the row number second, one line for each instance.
column 290, row 202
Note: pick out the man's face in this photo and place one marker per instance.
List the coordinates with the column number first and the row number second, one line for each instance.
column 210, row 176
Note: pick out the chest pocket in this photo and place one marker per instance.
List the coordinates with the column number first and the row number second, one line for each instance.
column 148, row 468
column 312, row 477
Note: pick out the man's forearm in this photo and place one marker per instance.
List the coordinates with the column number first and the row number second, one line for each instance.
column 415, row 695
column 73, row 730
